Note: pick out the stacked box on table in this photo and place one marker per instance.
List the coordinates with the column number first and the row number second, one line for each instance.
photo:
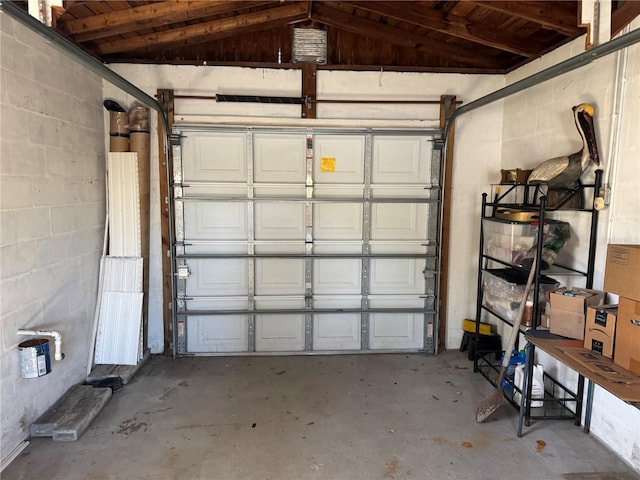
column 568, row 310
column 600, row 329
column 503, row 289
column 622, row 271
column 622, row 277
column 627, row 347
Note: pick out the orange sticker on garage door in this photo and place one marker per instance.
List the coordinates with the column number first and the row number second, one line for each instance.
column 327, row 164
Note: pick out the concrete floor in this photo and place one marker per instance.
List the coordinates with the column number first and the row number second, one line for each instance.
column 313, row 417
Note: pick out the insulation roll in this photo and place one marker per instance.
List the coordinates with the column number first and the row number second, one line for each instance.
column 118, row 131
column 138, row 118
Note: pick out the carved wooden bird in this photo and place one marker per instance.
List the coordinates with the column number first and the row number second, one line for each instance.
column 562, row 174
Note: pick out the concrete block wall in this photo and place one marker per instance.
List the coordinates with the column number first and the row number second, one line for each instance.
column 52, row 213
column 538, row 125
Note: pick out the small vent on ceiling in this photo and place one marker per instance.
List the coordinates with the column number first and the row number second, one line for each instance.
column 309, row 45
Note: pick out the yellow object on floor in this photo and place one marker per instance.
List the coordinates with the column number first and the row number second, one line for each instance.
column 470, row 326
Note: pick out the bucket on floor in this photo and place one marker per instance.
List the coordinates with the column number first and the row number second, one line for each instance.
column 34, row 358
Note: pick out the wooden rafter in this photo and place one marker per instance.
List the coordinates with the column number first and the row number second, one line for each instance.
column 153, row 15
column 362, row 26
column 623, row 15
column 443, row 35
column 547, row 14
column 214, row 30
column 453, row 25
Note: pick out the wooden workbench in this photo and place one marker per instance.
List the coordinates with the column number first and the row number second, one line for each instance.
column 619, row 382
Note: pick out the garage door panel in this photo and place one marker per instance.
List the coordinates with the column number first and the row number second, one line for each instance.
column 279, row 332
column 280, row 158
column 337, row 221
column 398, row 159
column 280, row 190
column 216, row 247
column 220, row 333
column 215, row 220
column 281, row 276
column 338, row 158
column 339, row 276
column 228, row 190
column 217, row 277
column 399, row 221
column 338, row 191
column 215, row 157
column 393, row 191
column 279, row 220
column 337, row 331
column 396, row 330
column 397, row 276
column 217, row 333
column 390, row 331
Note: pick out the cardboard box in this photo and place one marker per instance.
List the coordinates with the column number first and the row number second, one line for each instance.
column 626, row 352
column 568, row 308
column 604, row 367
column 600, row 329
column 621, row 271
column 544, row 320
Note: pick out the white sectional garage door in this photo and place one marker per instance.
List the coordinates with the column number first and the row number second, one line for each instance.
column 302, row 241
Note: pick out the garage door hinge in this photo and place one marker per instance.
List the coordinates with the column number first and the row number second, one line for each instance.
column 438, row 144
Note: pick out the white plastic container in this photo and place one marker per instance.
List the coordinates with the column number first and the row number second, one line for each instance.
column 537, row 385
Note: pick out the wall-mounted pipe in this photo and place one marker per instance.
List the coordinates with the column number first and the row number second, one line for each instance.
column 57, row 337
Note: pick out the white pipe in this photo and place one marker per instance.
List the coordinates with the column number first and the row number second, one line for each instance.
column 614, row 135
column 57, row 337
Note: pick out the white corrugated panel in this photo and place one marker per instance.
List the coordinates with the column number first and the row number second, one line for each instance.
column 120, row 315
column 122, row 274
column 118, row 337
column 124, row 205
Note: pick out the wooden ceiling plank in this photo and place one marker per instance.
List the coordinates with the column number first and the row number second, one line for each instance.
column 361, row 26
column 214, row 30
column 147, row 16
column 550, row 15
column 454, row 25
column 623, row 15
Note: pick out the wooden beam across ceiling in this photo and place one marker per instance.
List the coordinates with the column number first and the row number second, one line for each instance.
column 453, row 25
column 152, row 15
column 623, row 15
column 213, row 30
column 361, row 26
column 549, row 15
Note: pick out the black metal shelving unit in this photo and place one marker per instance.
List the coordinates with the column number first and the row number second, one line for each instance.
column 559, row 402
